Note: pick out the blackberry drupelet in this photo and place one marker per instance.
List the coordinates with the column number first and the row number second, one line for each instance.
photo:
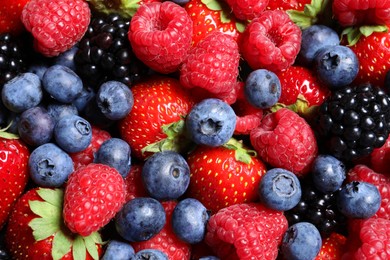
column 104, row 53
column 353, row 121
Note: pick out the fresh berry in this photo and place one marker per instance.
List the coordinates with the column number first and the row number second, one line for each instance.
column 297, row 5
column 86, row 96
column 160, row 35
column 123, row 8
column 261, row 229
column 93, row 195
column 58, row 110
column 333, row 247
column 248, row 9
column 285, row 140
column 150, row 254
column 328, row 173
column 66, row 58
column 271, row 41
column 380, row 157
column 10, row 12
column 118, row 250
column 134, row 185
column 56, row 25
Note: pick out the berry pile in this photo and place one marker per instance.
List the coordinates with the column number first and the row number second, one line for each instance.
column 194, row 129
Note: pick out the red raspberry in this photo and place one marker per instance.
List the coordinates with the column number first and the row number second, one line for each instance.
column 212, row 65
column 56, row 25
column 361, row 172
column 285, row 140
column 93, row 195
column 134, row 185
column 160, row 35
column 246, row 231
column 247, row 9
column 380, row 158
column 271, row 41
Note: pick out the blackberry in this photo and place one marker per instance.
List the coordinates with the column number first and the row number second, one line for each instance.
column 104, row 53
column 353, row 121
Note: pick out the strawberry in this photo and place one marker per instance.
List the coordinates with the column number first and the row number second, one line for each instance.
column 285, row 5
column 36, row 230
column 14, row 175
column 159, row 103
column 225, row 175
column 333, row 247
column 10, row 12
column 247, row 9
column 212, row 15
column 93, row 195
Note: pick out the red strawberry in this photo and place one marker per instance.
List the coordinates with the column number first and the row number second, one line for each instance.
column 134, row 184
column 333, row 247
column 247, row 9
column 212, row 15
column 225, row 175
column 36, row 230
column 158, row 103
column 14, row 174
column 56, row 25
column 271, row 41
column 93, row 195
column 212, row 65
column 382, row 182
column 246, row 231
column 10, row 12
column 285, row 140
column 160, row 35
column 166, row 240
column 380, row 158
column 285, row 5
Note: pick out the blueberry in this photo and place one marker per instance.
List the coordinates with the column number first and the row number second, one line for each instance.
column 49, row 165
column 328, row 173
column 262, row 88
column 83, row 98
column 211, row 122
column 359, row 200
column 166, row 175
column 67, row 58
column 314, row 38
column 59, row 110
column 39, row 68
column 73, row 133
column 209, row 257
column 118, row 250
column 22, row 92
column 114, row 99
column 189, row 220
column 36, row 126
column 301, row 241
column 140, row 219
column 116, row 153
column 280, row 189
column 94, row 115
column 180, row 2
column 336, row 66
column 62, row 83
column 150, row 254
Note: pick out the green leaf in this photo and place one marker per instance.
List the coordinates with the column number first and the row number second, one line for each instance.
column 90, row 244
column 309, row 15
column 241, row 154
column 79, row 249
column 43, row 228
column 212, row 5
column 62, row 244
column 367, row 30
column 240, row 27
column 52, row 196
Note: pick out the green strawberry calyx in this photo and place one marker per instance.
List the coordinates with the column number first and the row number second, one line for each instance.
column 50, row 223
column 7, row 135
column 310, row 14
column 241, row 154
column 301, row 107
column 125, row 8
column 353, row 34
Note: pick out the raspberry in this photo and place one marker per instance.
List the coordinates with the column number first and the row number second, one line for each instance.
column 246, row 231
column 162, row 43
column 56, row 25
column 247, row 9
column 380, row 158
column 133, row 182
column 285, row 140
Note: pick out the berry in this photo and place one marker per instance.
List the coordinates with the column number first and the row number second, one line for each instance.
column 150, row 254
column 56, row 25
column 133, row 182
column 10, row 16
column 118, row 250
column 93, row 195
column 333, row 247
column 58, row 110
column 160, row 35
column 248, row 9
column 328, row 173
column 86, row 95
column 379, row 158
column 66, row 58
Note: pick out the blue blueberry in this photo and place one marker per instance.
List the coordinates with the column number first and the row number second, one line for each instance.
column 301, row 241
column 83, row 98
column 314, row 38
column 22, row 92
column 95, row 116
column 49, row 165
column 150, row 254
column 328, row 173
column 211, row 122
column 189, row 220
column 209, row 257
column 140, row 219
column 59, row 110
column 73, row 133
column 336, row 66
column 62, row 83
column 359, row 200
column 67, row 58
column 36, row 126
column 39, row 67
column 262, row 88
column 180, row 2
column 280, row 189
column 118, row 250
column 114, row 99
column 115, row 152
column 166, row 175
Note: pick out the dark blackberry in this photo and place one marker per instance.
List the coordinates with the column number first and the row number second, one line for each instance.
column 104, row 53
column 353, row 121
column 319, row 209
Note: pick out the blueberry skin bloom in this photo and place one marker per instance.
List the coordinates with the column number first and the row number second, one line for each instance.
column 151, row 254
column 166, row 175
column 280, row 189
column 359, row 200
column 49, row 165
column 211, row 122
column 118, row 250
column 302, row 241
column 189, row 220
column 73, row 133
column 328, row 173
column 114, row 99
column 22, row 92
column 262, row 88
column 140, row 219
